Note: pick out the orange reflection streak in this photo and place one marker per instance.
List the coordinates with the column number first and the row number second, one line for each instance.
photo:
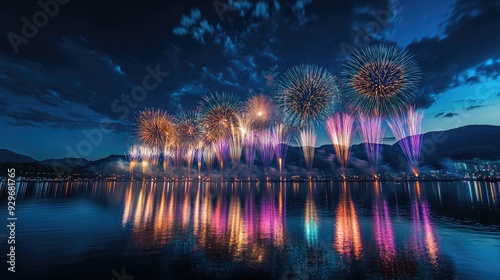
column 148, row 212
column 492, row 191
column 479, row 191
column 139, row 206
column 237, row 239
column 127, row 205
column 417, row 187
column 279, row 225
column 430, row 241
column 196, row 210
column 160, row 226
column 206, row 217
column 295, row 186
column 347, row 232
column 186, row 207
column 66, row 191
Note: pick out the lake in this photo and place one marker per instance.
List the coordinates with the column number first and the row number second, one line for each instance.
column 254, row 230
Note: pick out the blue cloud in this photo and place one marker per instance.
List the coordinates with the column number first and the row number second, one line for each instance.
column 229, row 46
column 184, row 90
column 450, row 115
column 261, row 10
column 470, row 108
column 179, row 31
column 194, row 25
column 187, row 21
column 219, row 77
column 242, row 6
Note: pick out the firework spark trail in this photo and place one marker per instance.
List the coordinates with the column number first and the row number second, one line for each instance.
column 154, row 158
column 407, row 128
column 178, row 152
column 133, row 155
column 307, row 142
column 281, row 138
column 188, row 157
column 306, row 95
column 235, row 146
column 382, row 79
column 341, row 132
column 250, row 141
column 221, row 148
column 245, row 124
column 146, row 154
column 265, row 148
column 208, row 156
column 167, row 156
column 371, row 132
column 156, row 128
column 199, row 156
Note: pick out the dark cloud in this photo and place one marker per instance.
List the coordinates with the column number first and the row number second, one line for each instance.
column 450, row 115
column 439, row 115
column 465, row 53
column 470, row 108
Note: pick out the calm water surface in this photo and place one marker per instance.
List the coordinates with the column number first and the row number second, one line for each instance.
column 156, row 230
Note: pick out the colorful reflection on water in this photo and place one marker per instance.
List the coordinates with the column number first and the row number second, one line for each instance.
column 347, row 233
column 201, row 230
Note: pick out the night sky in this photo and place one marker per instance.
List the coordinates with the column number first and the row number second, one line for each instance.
column 81, row 74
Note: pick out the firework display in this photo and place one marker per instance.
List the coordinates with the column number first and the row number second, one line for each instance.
column 146, row 155
column 199, row 156
column 340, row 130
column 221, row 148
column 188, row 128
column 236, row 145
column 156, row 128
column 260, row 109
column 380, row 79
column 133, row 156
column 306, row 95
column 280, row 137
column 208, row 156
column 167, row 156
column 188, row 157
column 407, row 128
column 245, row 125
column 265, row 148
column 219, row 111
column 370, row 129
column 378, row 82
column 307, row 141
